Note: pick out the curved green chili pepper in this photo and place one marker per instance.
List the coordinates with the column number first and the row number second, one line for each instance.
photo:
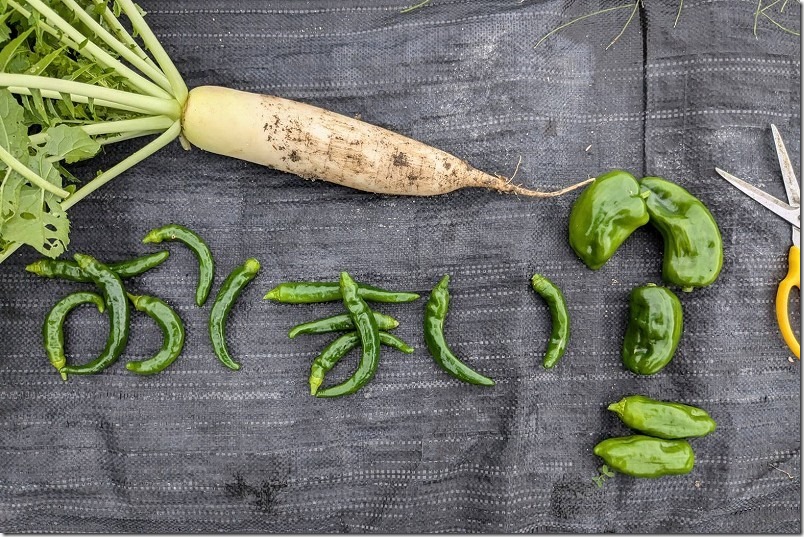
column 435, row 313
column 315, row 292
column 69, row 270
column 339, row 348
column 646, row 456
column 53, row 327
column 663, row 419
column 227, row 295
column 559, row 314
column 606, row 213
column 339, row 323
column 366, row 327
column 654, row 329
column 172, row 335
column 693, row 248
column 206, row 265
column 118, row 307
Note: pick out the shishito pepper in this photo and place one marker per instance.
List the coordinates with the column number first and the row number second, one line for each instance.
column 663, row 419
column 655, row 323
column 604, row 215
column 693, row 248
column 645, row 456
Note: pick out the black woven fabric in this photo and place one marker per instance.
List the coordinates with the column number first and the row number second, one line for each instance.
column 200, row 448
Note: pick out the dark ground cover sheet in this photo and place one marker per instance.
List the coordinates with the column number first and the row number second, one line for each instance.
column 200, row 448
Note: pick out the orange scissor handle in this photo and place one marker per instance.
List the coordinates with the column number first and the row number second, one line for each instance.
column 793, row 279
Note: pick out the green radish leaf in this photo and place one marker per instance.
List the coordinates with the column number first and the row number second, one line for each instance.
column 39, row 107
column 10, row 50
column 39, row 222
column 68, row 104
column 39, row 67
column 13, row 133
column 67, row 176
column 5, row 32
column 9, row 195
column 70, row 144
column 41, row 166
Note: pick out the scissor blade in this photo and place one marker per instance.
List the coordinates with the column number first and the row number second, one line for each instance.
column 778, row 207
column 790, row 182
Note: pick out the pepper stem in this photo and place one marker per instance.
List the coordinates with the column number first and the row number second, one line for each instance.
column 618, row 407
column 315, row 383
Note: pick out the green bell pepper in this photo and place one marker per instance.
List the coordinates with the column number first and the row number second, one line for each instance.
column 646, row 456
column 663, row 419
column 655, row 322
column 604, row 215
column 693, row 248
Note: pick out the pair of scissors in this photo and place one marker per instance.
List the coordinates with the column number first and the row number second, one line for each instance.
column 790, row 211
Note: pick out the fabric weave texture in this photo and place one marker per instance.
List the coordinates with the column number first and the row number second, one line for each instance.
column 200, row 448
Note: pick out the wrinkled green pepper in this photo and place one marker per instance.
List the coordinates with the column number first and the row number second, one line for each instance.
column 646, row 456
column 655, row 322
column 604, row 215
column 693, row 248
column 663, row 419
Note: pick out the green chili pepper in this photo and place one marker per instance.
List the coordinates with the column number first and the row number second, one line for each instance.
column 655, row 323
column 646, row 456
column 230, row 289
column 604, row 215
column 206, row 265
column 53, row 327
column 339, row 348
column 693, row 248
column 338, row 323
column 118, row 307
column 559, row 315
column 663, row 419
column 435, row 313
column 172, row 335
column 68, row 270
column 315, row 292
column 366, row 327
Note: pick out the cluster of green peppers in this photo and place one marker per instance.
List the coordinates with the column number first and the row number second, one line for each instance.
column 662, row 447
column 608, row 212
column 605, row 214
column 369, row 329
column 118, row 302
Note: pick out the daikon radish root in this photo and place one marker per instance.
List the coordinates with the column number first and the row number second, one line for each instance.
column 74, row 78
column 315, row 143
